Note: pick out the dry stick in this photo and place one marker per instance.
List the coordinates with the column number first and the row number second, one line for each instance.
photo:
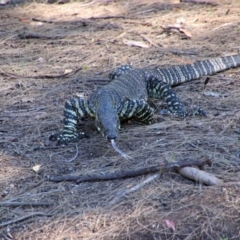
column 122, row 193
column 24, row 217
column 38, row 36
column 39, row 20
column 31, row 204
column 167, row 50
column 40, row 76
column 106, row 17
column 150, row 41
column 26, row 110
column 26, row 190
column 80, row 20
column 8, row 236
column 226, row 25
column 209, row 2
column 130, row 173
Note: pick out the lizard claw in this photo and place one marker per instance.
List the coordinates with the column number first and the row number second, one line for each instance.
column 201, row 112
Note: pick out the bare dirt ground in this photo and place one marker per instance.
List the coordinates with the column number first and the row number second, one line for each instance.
column 92, row 36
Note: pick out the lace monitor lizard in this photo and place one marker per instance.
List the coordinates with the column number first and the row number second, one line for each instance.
column 126, row 96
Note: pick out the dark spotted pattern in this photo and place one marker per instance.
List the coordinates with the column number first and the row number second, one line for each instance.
column 127, row 94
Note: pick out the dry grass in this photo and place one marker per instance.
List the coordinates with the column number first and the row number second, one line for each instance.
column 31, row 109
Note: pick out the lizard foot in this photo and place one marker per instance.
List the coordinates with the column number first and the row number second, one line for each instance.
column 67, row 137
column 196, row 112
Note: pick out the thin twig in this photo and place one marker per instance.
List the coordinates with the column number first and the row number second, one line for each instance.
column 150, row 41
column 5, row 237
column 226, row 25
column 25, row 110
column 207, row 2
column 40, row 20
column 31, row 204
column 106, row 17
column 167, row 50
column 41, row 76
column 123, row 192
column 38, row 36
column 24, row 217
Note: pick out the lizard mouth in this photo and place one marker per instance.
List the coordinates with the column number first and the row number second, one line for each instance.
column 110, row 138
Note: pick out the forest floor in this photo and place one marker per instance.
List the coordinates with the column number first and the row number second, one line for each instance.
column 52, row 52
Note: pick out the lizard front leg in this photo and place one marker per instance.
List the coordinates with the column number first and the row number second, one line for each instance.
column 75, row 109
column 138, row 109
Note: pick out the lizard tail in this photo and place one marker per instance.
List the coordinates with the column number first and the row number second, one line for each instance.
column 184, row 73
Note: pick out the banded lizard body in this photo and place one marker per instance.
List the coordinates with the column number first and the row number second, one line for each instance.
column 126, row 96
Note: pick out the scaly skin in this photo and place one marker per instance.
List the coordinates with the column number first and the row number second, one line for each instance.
column 127, row 94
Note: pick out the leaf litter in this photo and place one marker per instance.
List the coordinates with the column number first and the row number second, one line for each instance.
column 31, row 87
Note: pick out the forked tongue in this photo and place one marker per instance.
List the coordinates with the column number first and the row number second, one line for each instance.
column 118, row 150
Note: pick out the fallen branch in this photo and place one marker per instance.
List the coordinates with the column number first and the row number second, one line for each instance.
column 40, row 20
column 30, row 204
column 38, row 36
column 41, row 76
column 123, row 192
column 130, row 173
column 200, row 176
column 23, row 218
column 105, row 17
column 207, row 2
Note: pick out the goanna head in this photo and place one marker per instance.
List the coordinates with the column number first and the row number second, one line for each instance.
column 107, row 121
